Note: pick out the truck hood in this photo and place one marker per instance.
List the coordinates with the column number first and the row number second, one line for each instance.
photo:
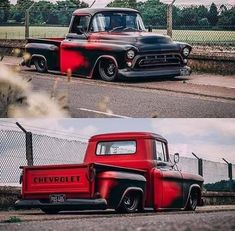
column 144, row 41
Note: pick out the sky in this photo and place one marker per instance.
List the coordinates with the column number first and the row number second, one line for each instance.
column 210, row 139
column 102, row 3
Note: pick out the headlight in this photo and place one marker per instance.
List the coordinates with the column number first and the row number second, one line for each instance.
column 186, row 52
column 130, row 54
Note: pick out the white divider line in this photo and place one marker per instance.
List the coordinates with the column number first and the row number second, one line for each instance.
column 103, row 113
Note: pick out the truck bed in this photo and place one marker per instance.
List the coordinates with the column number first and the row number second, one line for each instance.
column 54, row 41
column 76, row 179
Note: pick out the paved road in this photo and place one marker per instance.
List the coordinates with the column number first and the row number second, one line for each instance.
column 198, row 96
column 224, row 220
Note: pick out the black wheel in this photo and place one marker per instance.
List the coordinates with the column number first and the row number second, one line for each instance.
column 108, row 70
column 192, row 201
column 50, row 211
column 40, row 64
column 130, row 203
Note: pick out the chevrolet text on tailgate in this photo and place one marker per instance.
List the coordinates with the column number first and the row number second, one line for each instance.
column 121, row 171
column 109, row 43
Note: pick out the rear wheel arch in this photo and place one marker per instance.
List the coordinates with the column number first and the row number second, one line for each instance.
column 35, row 60
column 136, row 192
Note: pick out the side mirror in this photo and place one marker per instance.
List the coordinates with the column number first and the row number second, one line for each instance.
column 150, row 29
column 176, row 158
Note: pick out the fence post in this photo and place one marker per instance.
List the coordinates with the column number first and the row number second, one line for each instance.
column 27, row 21
column 29, row 148
column 28, row 144
column 230, row 174
column 27, row 24
column 169, row 18
column 200, row 164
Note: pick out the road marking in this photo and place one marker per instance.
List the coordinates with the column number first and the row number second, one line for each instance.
column 103, row 113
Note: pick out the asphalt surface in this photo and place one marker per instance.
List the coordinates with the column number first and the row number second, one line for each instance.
column 224, row 220
column 199, row 96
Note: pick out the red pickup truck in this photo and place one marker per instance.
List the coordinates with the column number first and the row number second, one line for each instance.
column 121, row 171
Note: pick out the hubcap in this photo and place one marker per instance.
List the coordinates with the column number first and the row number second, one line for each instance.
column 111, row 69
column 41, row 63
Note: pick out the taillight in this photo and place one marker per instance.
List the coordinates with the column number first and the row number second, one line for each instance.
column 91, row 173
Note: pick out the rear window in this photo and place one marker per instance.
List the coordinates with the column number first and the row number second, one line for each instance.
column 116, row 148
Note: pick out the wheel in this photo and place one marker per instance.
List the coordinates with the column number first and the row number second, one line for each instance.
column 192, row 201
column 130, row 203
column 40, row 64
column 50, row 211
column 108, row 70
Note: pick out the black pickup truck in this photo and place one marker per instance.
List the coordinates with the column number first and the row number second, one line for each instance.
column 109, row 43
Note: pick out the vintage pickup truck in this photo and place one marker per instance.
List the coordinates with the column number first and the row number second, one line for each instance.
column 109, row 43
column 121, row 171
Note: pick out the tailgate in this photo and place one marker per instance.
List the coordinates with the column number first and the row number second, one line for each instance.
column 71, row 179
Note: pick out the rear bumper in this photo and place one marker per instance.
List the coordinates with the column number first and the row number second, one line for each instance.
column 69, row 204
column 171, row 71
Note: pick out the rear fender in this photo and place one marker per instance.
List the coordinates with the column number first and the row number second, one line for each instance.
column 133, row 189
column 113, row 185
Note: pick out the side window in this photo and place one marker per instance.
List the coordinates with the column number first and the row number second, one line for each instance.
column 80, row 22
column 160, row 151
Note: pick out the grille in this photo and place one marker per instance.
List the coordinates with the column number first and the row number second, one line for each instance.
column 151, row 61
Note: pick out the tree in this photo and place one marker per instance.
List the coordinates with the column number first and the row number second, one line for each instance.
column 153, row 12
column 202, row 11
column 123, row 3
column 23, row 4
column 227, row 19
column 4, row 10
column 189, row 17
column 213, row 15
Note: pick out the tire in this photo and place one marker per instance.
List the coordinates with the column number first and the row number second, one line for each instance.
column 40, row 64
column 50, row 211
column 192, row 201
column 130, row 203
column 108, row 70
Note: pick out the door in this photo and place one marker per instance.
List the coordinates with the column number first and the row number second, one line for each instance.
column 72, row 56
column 168, row 187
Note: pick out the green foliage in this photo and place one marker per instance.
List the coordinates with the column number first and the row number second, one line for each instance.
column 123, row 3
column 227, row 19
column 4, row 10
column 221, row 186
column 13, row 219
column 213, row 15
column 153, row 12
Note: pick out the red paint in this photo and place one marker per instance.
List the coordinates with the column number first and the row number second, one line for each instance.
column 71, row 60
column 100, row 173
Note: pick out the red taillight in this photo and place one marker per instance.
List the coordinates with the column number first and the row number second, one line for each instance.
column 91, row 173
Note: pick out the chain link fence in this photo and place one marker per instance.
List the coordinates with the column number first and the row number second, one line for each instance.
column 52, row 150
column 195, row 24
column 46, row 150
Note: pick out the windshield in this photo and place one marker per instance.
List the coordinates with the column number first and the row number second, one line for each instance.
column 115, row 21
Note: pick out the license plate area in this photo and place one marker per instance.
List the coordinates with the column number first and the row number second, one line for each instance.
column 57, row 198
column 184, row 72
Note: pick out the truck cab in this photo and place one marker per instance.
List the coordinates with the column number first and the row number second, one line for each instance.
column 122, row 171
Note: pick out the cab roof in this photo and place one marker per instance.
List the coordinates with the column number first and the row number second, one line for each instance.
column 93, row 11
column 127, row 135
